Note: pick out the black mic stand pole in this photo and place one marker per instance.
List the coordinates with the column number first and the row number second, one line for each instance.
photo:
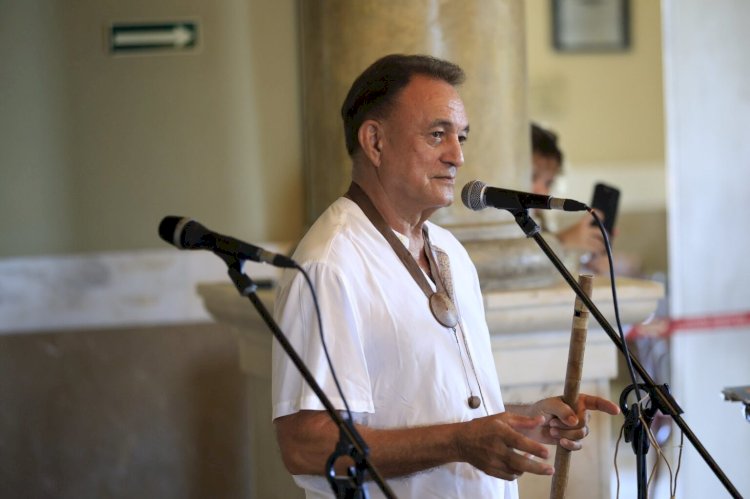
column 350, row 442
column 660, row 395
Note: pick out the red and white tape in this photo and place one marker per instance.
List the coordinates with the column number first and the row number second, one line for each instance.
column 664, row 327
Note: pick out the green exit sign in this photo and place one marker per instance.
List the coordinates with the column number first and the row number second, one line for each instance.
column 153, row 36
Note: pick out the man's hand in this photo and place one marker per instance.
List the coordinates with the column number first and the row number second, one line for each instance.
column 562, row 424
column 496, row 445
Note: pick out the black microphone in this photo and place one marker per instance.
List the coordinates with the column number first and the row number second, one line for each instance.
column 185, row 233
column 477, row 196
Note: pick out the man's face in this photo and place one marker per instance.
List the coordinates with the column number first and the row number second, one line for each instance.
column 422, row 145
column 543, row 173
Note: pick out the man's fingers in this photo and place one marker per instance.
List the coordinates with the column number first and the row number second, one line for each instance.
column 514, row 465
column 564, row 415
column 519, row 421
column 594, row 403
column 523, row 444
column 571, row 444
column 570, row 434
column 529, row 465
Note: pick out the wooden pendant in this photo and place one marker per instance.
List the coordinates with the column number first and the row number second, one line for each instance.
column 443, row 310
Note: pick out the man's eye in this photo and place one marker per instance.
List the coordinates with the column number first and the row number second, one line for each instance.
column 438, row 134
column 462, row 139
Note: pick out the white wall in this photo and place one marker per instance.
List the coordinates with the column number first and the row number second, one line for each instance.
column 707, row 93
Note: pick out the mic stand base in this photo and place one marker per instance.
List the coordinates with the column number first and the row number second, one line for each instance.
column 637, row 426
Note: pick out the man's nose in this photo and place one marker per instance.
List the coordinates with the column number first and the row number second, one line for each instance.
column 454, row 153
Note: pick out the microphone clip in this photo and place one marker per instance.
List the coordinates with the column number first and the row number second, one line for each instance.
column 527, row 224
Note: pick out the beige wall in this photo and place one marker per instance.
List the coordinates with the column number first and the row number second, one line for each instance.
column 608, row 106
column 609, row 113
column 95, row 149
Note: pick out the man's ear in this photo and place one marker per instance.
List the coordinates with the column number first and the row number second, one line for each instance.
column 370, row 138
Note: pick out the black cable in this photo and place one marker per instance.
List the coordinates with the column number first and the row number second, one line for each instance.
column 628, row 359
column 640, row 443
column 323, row 341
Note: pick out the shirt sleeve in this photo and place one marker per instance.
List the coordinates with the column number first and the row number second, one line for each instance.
column 341, row 320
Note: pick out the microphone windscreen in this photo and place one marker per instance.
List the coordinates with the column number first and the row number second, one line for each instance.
column 167, row 228
column 471, row 195
column 171, row 229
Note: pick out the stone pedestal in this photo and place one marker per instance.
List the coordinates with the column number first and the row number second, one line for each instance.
column 530, row 331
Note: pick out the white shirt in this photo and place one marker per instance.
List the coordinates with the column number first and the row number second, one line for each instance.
column 395, row 362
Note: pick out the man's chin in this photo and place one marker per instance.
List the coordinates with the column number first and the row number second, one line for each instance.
column 445, row 202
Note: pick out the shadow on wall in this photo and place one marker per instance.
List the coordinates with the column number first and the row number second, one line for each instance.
column 150, row 412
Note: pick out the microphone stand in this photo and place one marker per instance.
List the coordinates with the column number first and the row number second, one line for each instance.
column 350, row 441
column 659, row 395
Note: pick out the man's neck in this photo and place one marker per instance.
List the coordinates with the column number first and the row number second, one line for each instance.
column 404, row 221
column 408, row 224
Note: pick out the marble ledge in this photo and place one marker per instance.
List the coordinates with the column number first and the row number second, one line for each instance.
column 508, row 311
column 529, row 324
column 143, row 288
column 550, row 308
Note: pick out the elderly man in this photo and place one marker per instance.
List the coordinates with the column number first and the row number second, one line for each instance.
column 402, row 312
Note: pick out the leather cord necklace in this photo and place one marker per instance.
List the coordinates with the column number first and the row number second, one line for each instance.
column 440, row 303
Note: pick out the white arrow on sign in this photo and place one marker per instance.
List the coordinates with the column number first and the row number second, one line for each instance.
column 179, row 36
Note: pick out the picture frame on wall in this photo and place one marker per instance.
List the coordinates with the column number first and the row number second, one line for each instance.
column 591, row 25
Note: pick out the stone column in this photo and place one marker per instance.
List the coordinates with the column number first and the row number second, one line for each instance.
column 340, row 38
